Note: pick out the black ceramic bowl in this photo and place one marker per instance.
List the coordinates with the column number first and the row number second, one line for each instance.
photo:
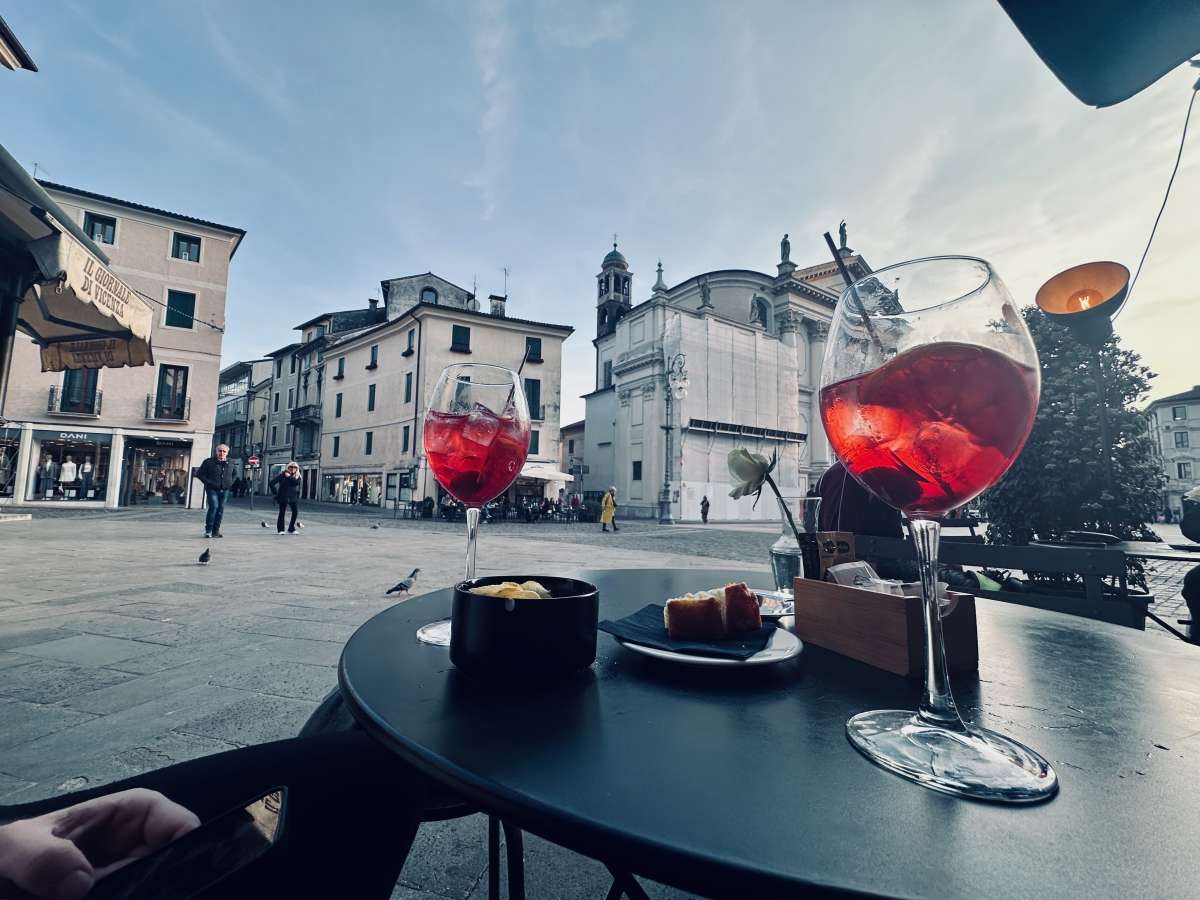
column 494, row 635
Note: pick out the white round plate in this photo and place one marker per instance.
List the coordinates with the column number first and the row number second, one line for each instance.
column 783, row 645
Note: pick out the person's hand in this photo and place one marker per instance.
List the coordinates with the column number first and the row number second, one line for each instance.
column 61, row 855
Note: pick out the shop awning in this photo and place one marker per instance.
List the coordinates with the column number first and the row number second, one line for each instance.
column 71, row 303
column 544, row 472
column 82, row 315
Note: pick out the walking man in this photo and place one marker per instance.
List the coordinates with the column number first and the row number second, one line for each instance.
column 216, row 474
column 704, row 509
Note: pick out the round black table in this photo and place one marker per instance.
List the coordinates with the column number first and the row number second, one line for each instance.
column 742, row 783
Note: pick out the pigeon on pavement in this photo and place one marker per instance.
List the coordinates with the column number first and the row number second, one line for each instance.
column 299, row 524
column 376, row 525
column 205, row 557
column 403, row 587
column 264, row 524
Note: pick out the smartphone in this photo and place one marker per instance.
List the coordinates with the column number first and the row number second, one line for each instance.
column 202, row 857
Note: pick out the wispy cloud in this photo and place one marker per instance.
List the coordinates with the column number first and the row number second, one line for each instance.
column 577, row 24
column 100, row 27
column 268, row 84
column 492, row 43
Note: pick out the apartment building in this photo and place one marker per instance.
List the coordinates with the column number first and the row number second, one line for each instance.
column 242, row 402
column 294, row 395
column 1175, row 429
column 379, row 382
column 116, row 437
column 571, row 452
column 278, row 447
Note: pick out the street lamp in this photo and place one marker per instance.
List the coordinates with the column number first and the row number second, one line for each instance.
column 677, row 388
column 1085, row 298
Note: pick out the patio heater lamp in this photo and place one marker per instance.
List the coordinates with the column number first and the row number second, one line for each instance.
column 1085, row 298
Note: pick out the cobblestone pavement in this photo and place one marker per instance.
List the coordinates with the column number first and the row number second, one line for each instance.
column 119, row 653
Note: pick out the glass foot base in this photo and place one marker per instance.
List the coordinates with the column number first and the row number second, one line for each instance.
column 974, row 763
column 436, row 633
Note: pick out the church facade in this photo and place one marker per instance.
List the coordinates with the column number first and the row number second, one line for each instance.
column 724, row 359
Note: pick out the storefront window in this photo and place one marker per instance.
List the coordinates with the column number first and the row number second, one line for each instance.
column 156, row 472
column 10, row 445
column 69, row 466
column 359, row 489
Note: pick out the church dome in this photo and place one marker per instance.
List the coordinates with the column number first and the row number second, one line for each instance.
column 614, row 258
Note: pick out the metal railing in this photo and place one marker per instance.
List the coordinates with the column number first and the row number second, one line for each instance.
column 60, row 405
column 310, row 412
column 178, row 411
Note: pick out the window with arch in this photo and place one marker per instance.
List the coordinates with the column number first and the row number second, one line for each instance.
column 428, row 295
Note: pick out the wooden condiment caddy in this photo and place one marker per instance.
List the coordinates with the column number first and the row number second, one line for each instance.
column 883, row 630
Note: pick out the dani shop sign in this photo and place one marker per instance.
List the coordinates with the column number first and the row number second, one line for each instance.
column 79, row 437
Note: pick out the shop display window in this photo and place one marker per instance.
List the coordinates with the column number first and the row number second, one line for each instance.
column 157, row 474
column 10, row 445
column 68, row 468
column 359, row 489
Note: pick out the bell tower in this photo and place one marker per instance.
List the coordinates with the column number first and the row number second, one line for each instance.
column 614, row 286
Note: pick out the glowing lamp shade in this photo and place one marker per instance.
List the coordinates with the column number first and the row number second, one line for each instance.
column 1085, row 298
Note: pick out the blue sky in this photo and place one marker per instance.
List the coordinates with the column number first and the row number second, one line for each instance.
column 367, row 140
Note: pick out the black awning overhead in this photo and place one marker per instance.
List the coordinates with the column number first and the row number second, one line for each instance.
column 1105, row 51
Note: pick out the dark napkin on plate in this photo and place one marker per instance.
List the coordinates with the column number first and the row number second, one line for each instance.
column 646, row 627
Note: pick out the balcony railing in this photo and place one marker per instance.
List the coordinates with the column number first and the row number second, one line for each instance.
column 310, row 412
column 59, row 405
column 179, row 411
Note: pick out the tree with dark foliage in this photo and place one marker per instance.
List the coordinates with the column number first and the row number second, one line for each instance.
column 1057, row 483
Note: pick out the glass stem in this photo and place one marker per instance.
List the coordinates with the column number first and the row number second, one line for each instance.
column 472, row 533
column 937, row 703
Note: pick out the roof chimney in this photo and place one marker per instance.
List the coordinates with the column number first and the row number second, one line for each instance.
column 498, row 304
column 373, row 302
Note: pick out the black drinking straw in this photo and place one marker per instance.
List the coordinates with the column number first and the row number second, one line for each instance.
column 837, row 258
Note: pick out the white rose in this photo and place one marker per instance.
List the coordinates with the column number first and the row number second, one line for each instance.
column 749, row 471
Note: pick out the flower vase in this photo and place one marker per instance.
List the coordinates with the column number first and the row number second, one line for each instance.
column 793, row 558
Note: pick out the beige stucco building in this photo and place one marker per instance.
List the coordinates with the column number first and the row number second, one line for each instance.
column 114, row 437
column 570, row 453
column 1175, row 430
column 378, row 382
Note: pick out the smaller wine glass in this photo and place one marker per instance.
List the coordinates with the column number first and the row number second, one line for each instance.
column 476, row 439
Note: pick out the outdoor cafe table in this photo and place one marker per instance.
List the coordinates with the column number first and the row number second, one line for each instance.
column 742, row 783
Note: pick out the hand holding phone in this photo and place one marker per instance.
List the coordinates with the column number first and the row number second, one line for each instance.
column 202, row 857
column 62, row 854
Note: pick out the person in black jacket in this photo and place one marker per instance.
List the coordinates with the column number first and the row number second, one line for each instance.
column 216, row 474
column 287, row 491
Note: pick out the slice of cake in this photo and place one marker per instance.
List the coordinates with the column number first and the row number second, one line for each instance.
column 741, row 609
column 712, row 615
column 696, row 617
